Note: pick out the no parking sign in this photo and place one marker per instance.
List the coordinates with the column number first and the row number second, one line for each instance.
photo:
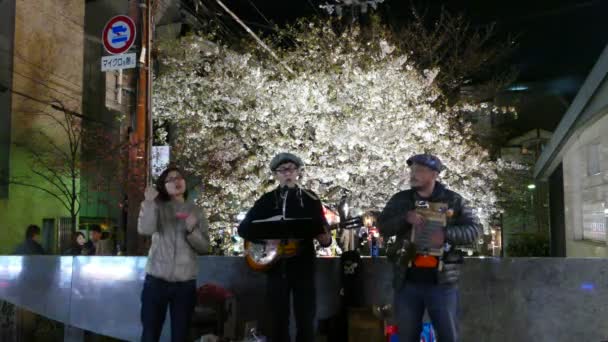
column 118, row 37
column 118, row 34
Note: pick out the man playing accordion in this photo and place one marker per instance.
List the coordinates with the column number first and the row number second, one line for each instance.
column 427, row 220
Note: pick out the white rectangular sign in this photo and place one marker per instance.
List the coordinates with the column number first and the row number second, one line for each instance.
column 161, row 156
column 117, row 62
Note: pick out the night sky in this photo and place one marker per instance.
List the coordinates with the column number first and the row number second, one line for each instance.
column 558, row 42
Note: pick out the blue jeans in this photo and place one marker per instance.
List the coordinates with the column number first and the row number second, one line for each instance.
column 441, row 301
column 157, row 295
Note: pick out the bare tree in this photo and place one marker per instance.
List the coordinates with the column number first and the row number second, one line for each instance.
column 468, row 56
column 62, row 152
column 53, row 148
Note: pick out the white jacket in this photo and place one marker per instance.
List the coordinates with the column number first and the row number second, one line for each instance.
column 173, row 254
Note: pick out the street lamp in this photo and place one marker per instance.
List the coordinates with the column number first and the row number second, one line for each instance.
column 532, row 187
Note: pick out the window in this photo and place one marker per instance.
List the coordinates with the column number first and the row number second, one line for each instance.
column 593, row 159
column 594, row 221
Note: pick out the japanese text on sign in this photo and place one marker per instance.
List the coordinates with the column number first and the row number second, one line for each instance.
column 117, row 62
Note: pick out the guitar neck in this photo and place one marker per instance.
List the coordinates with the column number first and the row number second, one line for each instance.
column 351, row 223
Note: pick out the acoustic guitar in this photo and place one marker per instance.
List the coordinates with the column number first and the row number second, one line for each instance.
column 261, row 255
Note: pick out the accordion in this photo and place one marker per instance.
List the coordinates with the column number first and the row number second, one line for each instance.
column 429, row 238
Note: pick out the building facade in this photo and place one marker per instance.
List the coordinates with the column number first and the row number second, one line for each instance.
column 575, row 163
column 41, row 53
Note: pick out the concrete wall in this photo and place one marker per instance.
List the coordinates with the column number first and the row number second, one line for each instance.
column 583, row 192
column 48, row 53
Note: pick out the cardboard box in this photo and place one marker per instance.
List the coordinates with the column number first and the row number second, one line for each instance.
column 363, row 326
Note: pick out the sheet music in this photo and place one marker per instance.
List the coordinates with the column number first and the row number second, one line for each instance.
column 278, row 227
column 280, row 218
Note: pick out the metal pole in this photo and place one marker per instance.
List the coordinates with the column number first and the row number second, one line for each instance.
column 139, row 151
column 149, row 131
column 143, row 99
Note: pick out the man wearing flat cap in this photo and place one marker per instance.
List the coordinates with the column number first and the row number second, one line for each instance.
column 293, row 274
column 427, row 220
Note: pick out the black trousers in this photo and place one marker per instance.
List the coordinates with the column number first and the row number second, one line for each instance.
column 287, row 279
column 157, row 295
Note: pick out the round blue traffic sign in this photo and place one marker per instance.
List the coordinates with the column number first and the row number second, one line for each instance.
column 118, row 34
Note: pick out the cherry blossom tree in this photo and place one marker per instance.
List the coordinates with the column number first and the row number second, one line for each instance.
column 355, row 108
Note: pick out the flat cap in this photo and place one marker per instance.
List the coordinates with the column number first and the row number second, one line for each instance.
column 428, row 160
column 283, row 158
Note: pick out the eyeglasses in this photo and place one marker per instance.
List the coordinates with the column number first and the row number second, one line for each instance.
column 417, row 169
column 174, row 179
column 286, row 170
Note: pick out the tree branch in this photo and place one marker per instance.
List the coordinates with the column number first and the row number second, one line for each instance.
column 41, row 189
column 65, row 192
column 39, row 159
